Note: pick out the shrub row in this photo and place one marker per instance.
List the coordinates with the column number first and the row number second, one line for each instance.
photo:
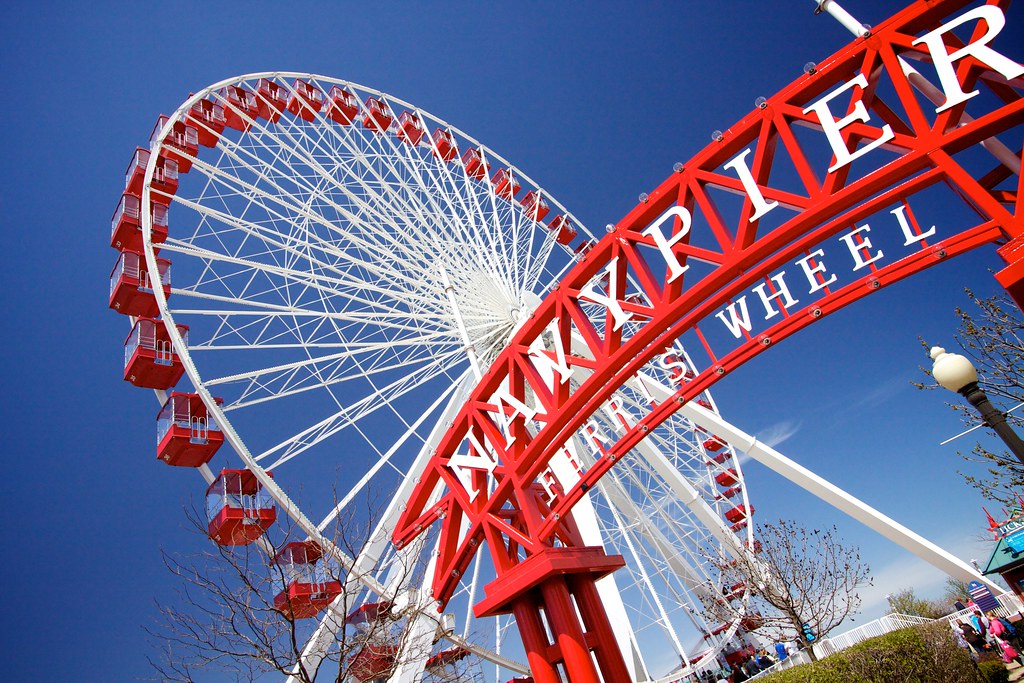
column 923, row 654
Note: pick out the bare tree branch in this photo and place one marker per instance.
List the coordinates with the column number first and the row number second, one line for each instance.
column 797, row 576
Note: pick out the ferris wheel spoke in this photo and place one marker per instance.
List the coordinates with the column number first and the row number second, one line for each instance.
column 411, row 215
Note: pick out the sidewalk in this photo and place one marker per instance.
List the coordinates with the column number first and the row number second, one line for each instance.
column 1016, row 671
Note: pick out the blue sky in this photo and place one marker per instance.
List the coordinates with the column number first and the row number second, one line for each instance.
column 595, row 101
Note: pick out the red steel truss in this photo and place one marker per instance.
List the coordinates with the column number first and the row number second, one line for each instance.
column 908, row 111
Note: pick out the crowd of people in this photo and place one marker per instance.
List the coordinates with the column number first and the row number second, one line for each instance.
column 982, row 632
column 749, row 663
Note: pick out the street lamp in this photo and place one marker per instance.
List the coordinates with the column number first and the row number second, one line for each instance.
column 956, row 373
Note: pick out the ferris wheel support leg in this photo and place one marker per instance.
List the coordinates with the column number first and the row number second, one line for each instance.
column 838, row 498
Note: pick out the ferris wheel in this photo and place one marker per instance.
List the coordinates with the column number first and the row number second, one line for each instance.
column 345, row 268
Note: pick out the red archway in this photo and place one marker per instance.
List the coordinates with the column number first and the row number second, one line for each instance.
column 813, row 201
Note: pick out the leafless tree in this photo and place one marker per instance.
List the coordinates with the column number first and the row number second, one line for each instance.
column 225, row 619
column 802, row 582
column 991, row 334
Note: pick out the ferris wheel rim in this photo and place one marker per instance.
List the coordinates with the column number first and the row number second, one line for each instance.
column 167, row 314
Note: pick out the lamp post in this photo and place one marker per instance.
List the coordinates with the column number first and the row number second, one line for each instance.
column 956, row 373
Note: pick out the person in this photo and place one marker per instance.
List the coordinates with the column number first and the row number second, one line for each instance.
column 972, row 637
column 980, row 623
column 961, row 640
column 1008, row 653
column 995, row 627
column 780, row 651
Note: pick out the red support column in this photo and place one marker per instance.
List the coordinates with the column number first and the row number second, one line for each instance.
column 595, row 621
column 568, row 631
column 535, row 640
column 548, row 582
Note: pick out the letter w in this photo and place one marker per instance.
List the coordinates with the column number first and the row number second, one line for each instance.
column 736, row 321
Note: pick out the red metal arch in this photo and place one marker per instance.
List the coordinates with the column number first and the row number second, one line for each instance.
column 759, row 199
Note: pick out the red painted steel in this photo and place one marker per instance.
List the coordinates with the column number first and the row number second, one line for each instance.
column 695, row 256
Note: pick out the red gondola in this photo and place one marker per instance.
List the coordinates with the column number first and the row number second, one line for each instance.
column 714, row 444
column 165, row 177
column 563, row 229
column 378, row 117
column 505, row 183
column 308, row 588
column 729, row 492
column 583, row 248
column 720, row 458
column 125, row 227
column 444, row 145
column 342, row 105
column 738, row 514
column 208, row 119
column 373, row 662
column 240, row 107
column 165, row 181
column 752, row 621
column 473, row 160
column 410, row 128
column 271, row 99
column 445, row 657
column 180, row 144
column 368, row 612
column 306, row 101
column 186, row 436
column 238, row 509
column 535, row 205
column 131, row 287
column 149, row 358
column 727, row 478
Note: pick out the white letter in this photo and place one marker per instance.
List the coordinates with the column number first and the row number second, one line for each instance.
column 665, row 246
column 818, row 268
column 943, row 61
column 833, row 129
column 736, row 322
column 478, row 458
column 614, row 410
column 856, row 249
column 597, row 438
column 761, row 207
column 612, row 304
column 501, row 397
column 905, row 226
column 543, row 362
column 783, row 291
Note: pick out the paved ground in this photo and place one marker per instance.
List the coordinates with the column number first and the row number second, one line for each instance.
column 1016, row 671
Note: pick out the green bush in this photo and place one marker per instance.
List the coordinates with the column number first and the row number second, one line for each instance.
column 993, row 671
column 925, row 654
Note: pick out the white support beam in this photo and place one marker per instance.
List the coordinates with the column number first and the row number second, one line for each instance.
column 835, row 496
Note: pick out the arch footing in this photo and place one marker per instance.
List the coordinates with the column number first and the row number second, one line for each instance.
column 560, row 616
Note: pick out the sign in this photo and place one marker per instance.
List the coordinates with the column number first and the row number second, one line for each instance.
column 982, row 596
column 1016, row 541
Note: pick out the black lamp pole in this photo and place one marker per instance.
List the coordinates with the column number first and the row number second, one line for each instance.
column 956, row 373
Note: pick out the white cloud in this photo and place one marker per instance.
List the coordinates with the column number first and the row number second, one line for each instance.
column 777, row 433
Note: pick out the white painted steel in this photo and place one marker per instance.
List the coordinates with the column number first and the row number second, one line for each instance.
column 343, row 290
